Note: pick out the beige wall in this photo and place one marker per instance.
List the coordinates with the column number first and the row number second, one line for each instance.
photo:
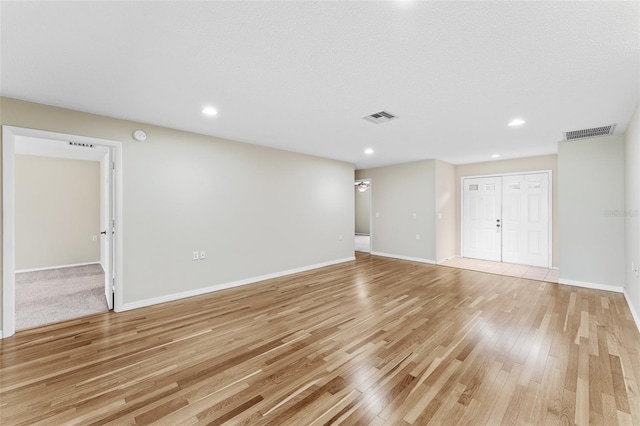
column 545, row 162
column 244, row 204
column 632, row 212
column 591, row 211
column 445, row 210
column 57, row 204
column 363, row 206
column 397, row 192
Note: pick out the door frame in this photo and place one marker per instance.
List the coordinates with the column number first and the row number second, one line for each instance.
column 531, row 172
column 9, row 134
column 370, row 210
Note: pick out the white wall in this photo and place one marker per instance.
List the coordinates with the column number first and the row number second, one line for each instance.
column 57, row 210
column 632, row 212
column 256, row 211
column 363, row 208
column 397, row 192
column 591, row 211
column 445, row 211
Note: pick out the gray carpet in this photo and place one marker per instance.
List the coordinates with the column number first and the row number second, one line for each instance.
column 54, row 295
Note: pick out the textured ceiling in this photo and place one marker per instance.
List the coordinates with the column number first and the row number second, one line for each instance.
column 300, row 75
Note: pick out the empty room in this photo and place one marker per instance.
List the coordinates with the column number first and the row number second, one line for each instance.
column 320, row 213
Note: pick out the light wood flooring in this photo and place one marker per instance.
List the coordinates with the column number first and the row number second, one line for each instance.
column 377, row 341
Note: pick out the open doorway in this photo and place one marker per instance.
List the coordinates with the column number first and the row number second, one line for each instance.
column 59, row 275
column 362, row 188
column 63, row 244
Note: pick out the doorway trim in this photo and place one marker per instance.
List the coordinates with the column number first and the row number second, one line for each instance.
column 549, row 171
column 370, row 210
column 9, row 134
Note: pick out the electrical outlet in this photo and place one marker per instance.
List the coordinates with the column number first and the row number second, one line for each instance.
column 203, row 254
column 377, row 214
column 196, row 255
column 94, row 238
column 340, row 237
column 417, row 236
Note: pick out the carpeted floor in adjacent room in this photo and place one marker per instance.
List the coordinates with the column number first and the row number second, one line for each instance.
column 54, row 295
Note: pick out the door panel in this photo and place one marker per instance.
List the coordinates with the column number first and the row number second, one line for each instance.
column 482, row 213
column 526, row 199
column 108, row 214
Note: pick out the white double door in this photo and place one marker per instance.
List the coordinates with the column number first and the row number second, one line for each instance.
column 506, row 218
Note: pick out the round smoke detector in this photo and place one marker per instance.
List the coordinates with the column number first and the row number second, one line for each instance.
column 139, row 135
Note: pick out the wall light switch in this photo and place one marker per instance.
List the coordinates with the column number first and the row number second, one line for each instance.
column 340, row 237
column 377, row 214
column 439, row 215
column 196, row 255
column 203, row 254
column 417, row 236
column 94, row 238
column 414, row 215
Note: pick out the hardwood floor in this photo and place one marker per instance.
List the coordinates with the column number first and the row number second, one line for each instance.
column 375, row 342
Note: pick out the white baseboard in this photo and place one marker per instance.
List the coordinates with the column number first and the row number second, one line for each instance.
column 1, row 336
column 57, row 267
column 445, row 259
column 397, row 256
column 217, row 287
column 632, row 308
column 594, row 286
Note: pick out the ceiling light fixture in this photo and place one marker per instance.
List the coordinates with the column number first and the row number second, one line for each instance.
column 516, row 122
column 368, row 151
column 210, row 111
column 362, row 186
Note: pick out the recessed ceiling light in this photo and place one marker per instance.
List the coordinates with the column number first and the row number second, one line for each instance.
column 368, row 151
column 495, row 156
column 516, row 122
column 210, row 111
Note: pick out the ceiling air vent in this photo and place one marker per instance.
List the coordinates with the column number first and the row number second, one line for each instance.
column 589, row 133
column 380, row 117
column 83, row 145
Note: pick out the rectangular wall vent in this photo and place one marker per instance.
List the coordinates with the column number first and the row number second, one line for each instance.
column 589, row 133
column 380, row 117
column 80, row 144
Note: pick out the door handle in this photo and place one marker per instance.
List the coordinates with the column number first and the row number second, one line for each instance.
column 104, row 232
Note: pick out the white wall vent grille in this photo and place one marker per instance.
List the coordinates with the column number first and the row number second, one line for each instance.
column 81, row 144
column 380, row 117
column 589, row 133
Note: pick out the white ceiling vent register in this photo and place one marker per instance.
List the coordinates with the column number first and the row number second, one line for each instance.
column 380, row 117
column 589, row 133
column 81, row 144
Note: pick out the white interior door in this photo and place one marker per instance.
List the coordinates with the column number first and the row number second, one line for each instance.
column 526, row 219
column 107, row 229
column 482, row 217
